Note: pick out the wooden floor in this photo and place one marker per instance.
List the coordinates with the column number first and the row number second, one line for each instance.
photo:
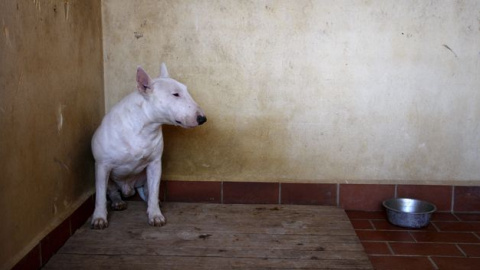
column 218, row 236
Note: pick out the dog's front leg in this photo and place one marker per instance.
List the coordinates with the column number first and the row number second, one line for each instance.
column 99, row 219
column 154, row 171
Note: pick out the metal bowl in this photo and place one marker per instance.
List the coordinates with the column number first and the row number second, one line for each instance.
column 409, row 213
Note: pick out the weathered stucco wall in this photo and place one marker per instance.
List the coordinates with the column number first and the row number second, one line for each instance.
column 51, row 100
column 311, row 91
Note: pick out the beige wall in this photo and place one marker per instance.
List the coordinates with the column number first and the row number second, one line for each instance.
column 51, row 99
column 311, row 91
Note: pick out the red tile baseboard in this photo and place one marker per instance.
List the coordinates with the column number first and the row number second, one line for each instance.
column 365, row 197
column 31, row 261
column 201, row 192
column 441, row 196
column 308, row 194
column 467, row 199
column 251, row 193
column 52, row 242
column 362, row 197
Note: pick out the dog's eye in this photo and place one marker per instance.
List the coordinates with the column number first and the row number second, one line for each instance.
column 176, row 94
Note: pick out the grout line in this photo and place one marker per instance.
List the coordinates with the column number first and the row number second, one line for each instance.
column 435, row 226
column 373, row 225
column 411, row 235
column 396, row 191
column 279, row 193
column 433, row 263
column 221, row 192
column 452, row 204
column 461, row 250
column 338, row 194
column 390, row 248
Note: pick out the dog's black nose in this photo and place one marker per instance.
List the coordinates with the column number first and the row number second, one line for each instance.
column 201, row 119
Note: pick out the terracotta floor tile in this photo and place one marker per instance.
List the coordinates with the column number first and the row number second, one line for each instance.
column 366, row 215
column 439, row 216
column 401, row 263
column 426, row 249
column 457, row 263
column 472, row 250
column 361, row 224
column 468, row 216
column 365, row 197
column 364, row 235
column 441, row 196
column 445, row 237
column 376, row 248
column 385, row 225
column 461, row 226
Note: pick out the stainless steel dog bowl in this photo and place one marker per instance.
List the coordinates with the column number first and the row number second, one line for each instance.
column 409, row 213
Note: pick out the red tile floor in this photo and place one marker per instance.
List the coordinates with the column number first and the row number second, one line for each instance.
column 451, row 241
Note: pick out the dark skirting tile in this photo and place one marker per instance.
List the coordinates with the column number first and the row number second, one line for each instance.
column 312, row 194
column 55, row 240
column 31, row 261
column 365, row 197
column 467, row 199
column 81, row 215
column 441, row 196
column 250, row 193
column 195, row 191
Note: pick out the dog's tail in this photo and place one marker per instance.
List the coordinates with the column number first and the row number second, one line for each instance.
column 141, row 192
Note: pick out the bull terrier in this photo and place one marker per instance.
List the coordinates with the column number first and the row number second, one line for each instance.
column 128, row 144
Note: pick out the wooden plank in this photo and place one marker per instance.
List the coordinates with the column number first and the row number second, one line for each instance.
column 214, row 236
column 267, row 219
column 245, row 245
column 73, row 262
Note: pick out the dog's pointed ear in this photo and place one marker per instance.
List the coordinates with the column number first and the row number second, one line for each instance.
column 164, row 71
column 144, row 83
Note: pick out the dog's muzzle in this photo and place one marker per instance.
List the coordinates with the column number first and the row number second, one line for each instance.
column 201, row 119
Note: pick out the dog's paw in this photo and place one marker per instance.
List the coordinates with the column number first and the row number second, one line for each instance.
column 99, row 223
column 119, row 205
column 157, row 220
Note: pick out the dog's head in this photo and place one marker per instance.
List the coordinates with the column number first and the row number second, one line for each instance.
column 168, row 100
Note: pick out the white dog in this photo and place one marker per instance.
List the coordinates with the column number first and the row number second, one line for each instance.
column 128, row 145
